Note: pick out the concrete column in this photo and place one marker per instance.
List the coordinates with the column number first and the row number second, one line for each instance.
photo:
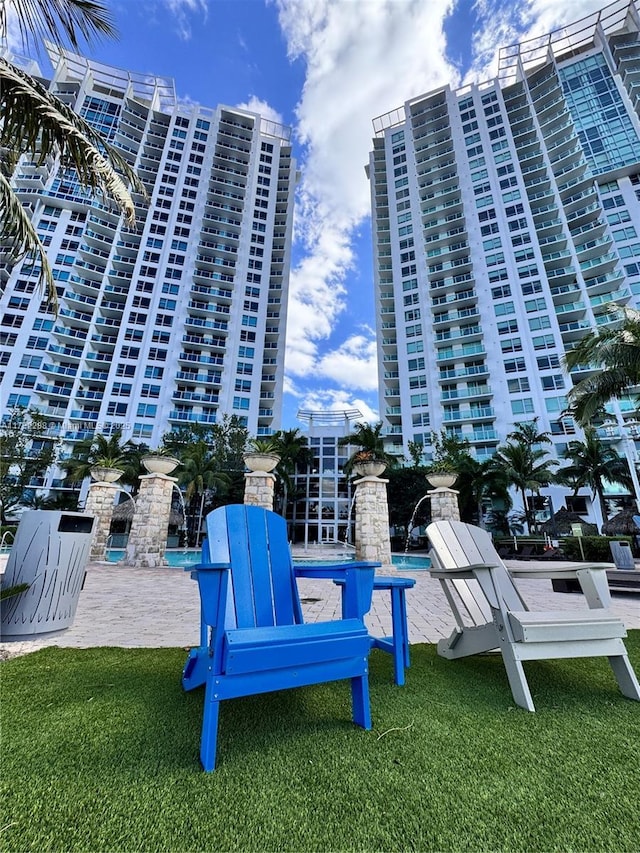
column 100, row 503
column 148, row 537
column 259, row 489
column 444, row 504
column 372, row 520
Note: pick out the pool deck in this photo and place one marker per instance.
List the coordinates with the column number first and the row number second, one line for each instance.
column 132, row 608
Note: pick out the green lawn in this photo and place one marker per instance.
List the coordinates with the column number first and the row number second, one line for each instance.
column 100, row 753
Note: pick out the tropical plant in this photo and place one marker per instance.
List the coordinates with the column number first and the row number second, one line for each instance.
column 370, row 443
column 526, row 464
column 34, row 122
column 416, row 453
column 480, row 483
column 477, row 482
column 447, row 453
column 201, row 478
column 592, row 463
column 614, row 355
column 100, row 451
column 263, row 445
column 293, row 449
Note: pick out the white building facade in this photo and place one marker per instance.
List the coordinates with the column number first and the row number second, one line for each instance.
column 506, row 221
column 181, row 319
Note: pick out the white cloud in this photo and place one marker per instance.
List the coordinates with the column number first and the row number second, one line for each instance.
column 182, row 10
column 503, row 24
column 362, row 59
column 352, row 365
column 256, row 105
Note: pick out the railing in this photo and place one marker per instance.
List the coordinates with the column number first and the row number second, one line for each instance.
column 4, row 542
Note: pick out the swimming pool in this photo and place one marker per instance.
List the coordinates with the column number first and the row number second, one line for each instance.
column 184, row 558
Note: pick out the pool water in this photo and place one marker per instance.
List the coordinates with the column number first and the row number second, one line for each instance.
column 186, row 558
column 175, row 559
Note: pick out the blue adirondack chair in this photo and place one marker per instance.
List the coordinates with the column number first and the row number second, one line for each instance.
column 253, row 639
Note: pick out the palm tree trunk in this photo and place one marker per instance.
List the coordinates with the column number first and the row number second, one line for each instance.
column 200, row 518
column 602, row 502
column 527, row 511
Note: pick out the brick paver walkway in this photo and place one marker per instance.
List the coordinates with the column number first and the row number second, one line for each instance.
column 123, row 606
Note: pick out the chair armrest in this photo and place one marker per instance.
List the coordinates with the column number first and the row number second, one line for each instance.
column 333, row 571
column 199, row 567
column 206, row 567
column 358, row 580
column 464, row 572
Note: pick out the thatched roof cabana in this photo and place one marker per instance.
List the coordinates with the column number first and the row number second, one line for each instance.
column 562, row 521
column 124, row 512
column 622, row 524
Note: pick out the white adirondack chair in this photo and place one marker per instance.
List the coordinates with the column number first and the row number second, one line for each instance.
column 491, row 614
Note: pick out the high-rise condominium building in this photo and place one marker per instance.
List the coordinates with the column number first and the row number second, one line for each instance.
column 506, row 222
column 180, row 319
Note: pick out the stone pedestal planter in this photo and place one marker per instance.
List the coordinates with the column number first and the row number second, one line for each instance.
column 102, row 474
column 259, row 489
column 441, row 479
column 158, row 464
column 148, row 537
column 100, row 503
column 256, row 461
column 369, row 469
column 444, row 504
column 372, row 521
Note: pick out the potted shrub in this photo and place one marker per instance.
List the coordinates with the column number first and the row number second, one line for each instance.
column 261, row 455
column 365, row 463
column 159, row 462
column 441, row 474
column 105, row 469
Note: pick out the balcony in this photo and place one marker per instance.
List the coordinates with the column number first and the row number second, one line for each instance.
column 473, row 414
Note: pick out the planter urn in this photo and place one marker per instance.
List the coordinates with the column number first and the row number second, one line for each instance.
column 158, row 464
column 256, row 461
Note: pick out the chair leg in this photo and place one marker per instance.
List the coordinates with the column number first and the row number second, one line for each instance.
column 517, row 679
column 361, row 702
column 209, row 739
column 400, row 643
column 625, row 676
column 195, row 669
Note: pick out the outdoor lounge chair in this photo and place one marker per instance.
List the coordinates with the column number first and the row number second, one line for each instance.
column 491, row 614
column 253, row 639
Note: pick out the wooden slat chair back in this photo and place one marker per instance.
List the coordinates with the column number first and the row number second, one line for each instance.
column 491, row 614
column 253, row 638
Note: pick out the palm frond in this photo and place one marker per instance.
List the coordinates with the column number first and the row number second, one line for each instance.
column 19, row 238
column 60, row 20
column 34, row 120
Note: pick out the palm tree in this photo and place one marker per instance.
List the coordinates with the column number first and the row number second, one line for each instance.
column 369, row 440
column 526, row 467
column 616, row 354
column 527, row 433
column 35, row 122
column 478, row 482
column 293, row 448
column 591, row 463
column 199, row 475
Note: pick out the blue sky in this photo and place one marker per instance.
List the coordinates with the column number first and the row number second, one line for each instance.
column 327, row 68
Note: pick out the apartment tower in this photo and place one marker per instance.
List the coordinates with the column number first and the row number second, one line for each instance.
column 506, row 222
column 179, row 320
